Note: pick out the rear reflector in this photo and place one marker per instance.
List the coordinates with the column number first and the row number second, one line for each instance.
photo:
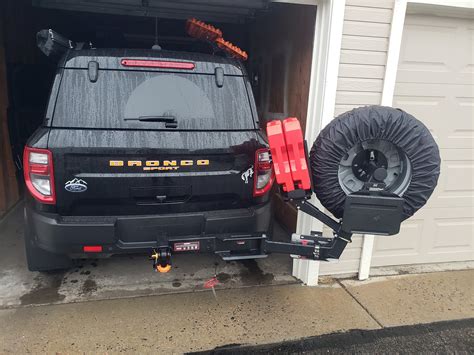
column 157, row 64
column 92, row 249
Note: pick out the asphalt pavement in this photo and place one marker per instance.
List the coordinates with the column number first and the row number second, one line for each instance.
column 449, row 337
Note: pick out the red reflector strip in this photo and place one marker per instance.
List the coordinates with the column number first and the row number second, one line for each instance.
column 92, row 249
column 157, row 64
column 39, row 169
column 264, row 165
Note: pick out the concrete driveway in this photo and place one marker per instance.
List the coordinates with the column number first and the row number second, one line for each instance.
column 97, row 307
column 123, row 276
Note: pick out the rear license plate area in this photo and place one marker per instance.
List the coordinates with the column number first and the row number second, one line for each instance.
column 153, row 228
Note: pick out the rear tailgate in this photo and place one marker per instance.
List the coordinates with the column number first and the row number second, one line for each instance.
column 153, row 141
column 113, row 173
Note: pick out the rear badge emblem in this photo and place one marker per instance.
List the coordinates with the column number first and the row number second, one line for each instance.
column 247, row 174
column 76, row 185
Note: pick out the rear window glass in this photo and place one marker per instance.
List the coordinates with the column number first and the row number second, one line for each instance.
column 151, row 100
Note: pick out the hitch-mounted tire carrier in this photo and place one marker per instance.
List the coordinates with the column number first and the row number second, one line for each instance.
column 289, row 154
column 371, row 211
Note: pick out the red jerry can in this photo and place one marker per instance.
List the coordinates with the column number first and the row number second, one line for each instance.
column 281, row 164
column 296, row 153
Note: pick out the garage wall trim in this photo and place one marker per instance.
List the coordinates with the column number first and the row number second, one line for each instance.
column 321, row 104
column 395, row 41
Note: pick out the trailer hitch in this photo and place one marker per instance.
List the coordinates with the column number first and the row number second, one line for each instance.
column 161, row 259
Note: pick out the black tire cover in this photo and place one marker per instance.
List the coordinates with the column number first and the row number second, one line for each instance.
column 374, row 122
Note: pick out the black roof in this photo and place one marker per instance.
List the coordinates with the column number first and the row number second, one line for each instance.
column 110, row 58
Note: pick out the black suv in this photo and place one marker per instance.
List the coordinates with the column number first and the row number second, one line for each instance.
column 145, row 149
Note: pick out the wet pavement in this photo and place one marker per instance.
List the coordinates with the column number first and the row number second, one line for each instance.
column 120, row 305
column 123, row 276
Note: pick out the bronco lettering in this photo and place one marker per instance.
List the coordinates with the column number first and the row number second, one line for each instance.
column 165, row 165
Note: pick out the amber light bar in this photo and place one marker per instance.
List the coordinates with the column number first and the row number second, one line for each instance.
column 201, row 30
column 234, row 51
column 157, row 64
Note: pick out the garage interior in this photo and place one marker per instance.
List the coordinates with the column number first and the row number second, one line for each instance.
column 278, row 37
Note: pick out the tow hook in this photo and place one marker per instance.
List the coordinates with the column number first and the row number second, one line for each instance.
column 161, row 259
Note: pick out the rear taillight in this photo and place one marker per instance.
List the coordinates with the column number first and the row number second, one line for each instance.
column 39, row 174
column 264, row 174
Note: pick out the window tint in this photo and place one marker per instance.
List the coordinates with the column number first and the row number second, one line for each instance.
column 119, row 99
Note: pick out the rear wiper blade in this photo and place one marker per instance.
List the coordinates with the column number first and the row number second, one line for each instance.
column 153, row 119
column 170, row 121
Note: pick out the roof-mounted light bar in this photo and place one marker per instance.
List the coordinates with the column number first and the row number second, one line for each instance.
column 164, row 64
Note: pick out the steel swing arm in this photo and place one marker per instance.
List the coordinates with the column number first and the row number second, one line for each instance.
column 313, row 246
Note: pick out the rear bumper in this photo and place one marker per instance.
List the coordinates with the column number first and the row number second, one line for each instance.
column 127, row 234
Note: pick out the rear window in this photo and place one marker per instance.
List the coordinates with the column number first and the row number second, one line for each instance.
column 152, row 100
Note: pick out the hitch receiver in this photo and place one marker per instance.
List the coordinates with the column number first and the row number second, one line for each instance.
column 161, row 260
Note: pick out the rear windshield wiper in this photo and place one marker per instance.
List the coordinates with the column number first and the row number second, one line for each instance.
column 170, row 121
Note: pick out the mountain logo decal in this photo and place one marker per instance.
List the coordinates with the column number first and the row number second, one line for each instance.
column 75, row 185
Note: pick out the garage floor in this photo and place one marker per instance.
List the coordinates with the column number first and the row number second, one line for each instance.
column 123, row 276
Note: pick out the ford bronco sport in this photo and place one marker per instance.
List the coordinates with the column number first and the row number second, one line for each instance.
column 142, row 147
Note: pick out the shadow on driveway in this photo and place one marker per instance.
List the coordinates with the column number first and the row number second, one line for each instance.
column 441, row 337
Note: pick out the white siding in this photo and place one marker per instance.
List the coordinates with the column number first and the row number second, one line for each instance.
column 362, row 66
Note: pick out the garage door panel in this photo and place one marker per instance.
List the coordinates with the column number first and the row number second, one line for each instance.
column 442, row 46
column 406, row 242
column 445, row 90
column 433, row 76
column 437, row 54
column 456, row 182
column 420, row 52
column 453, row 234
column 433, row 235
column 402, row 248
column 459, row 177
column 449, row 117
column 435, row 82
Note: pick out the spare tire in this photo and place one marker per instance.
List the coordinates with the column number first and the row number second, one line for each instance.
column 374, row 144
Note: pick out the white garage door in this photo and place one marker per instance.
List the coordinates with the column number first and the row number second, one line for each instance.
column 435, row 82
